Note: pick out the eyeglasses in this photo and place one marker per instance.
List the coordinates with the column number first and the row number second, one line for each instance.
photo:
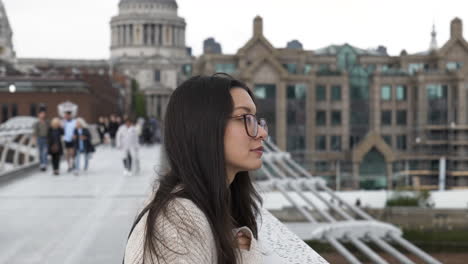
column 251, row 124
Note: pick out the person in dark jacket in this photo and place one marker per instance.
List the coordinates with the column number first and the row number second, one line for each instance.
column 83, row 145
column 113, row 127
column 54, row 142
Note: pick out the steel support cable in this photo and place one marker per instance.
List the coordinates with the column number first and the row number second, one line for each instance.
column 367, row 250
column 391, row 250
column 299, row 192
column 342, row 250
column 30, row 148
column 412, row 248
column 355, row 209
column 19, row 145
column 306, row 214
column 339, row 210
column 3, row 157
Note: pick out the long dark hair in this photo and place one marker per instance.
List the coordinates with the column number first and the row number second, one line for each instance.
column 195, row 124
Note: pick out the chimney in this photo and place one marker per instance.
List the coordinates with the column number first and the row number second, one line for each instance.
column 456, row 28
column 258, row 26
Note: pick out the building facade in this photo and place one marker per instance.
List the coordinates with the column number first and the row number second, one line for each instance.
column 362, row 118
column 148, row 44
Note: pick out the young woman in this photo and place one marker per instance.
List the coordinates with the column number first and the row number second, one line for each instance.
column 54, row 142
column 204, row 208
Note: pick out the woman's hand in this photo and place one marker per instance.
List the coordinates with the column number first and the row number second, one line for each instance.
column 243, row 241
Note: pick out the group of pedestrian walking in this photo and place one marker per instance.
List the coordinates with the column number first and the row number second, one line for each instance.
column 69, row 136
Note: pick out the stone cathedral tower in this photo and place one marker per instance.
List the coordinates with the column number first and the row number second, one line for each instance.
column 148, row 44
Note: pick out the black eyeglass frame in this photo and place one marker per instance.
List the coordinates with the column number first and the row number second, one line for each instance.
column 258, row 123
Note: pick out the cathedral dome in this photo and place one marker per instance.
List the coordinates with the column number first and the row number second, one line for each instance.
column 166, row 2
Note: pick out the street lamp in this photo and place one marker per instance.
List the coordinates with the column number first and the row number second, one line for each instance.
column 12, row 88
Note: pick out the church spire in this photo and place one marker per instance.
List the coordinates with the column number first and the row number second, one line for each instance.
column 6, row 36
column 433, row 45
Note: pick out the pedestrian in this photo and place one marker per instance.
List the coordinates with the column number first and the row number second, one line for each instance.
column 54, row 142
column 113, row 127
column 101, row 128
column 69, row 124
column 204, row 208
column 127, row 141
column 83, row 145
column 40, row 132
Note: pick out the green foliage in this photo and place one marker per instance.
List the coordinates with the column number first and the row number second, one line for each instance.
column 138, row 104
column 400, row 199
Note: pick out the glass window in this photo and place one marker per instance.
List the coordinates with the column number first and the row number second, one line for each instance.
column 297, row 91
column 187, row 69
column 320, row 118
column 266, row 105
column 228, row 68
column 14, row 110
column 4, row 113
column 157, row 75
column 401, row 142
column 320, row 93
column 307, row 68
column 436, row 91
column 320, row 143
column 354, row 140
column 387, row 139
column 336, row 93
column 336, row 118
column 454, row 65
column 401, row 93
column 401, row 117
column 386, row 118
column 414, row 67
column 386, row 92
column 323, row 68
column 32, row 109
column 291, row 67
column 321, row 166
column 336, row 143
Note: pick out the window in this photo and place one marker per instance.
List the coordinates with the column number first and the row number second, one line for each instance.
column 307, row 68
column 401, row 117
column 157, row 75
column 14, row 110
column 454, row 65
column 4, row 113
column 386, row 118
column 336, row 118
column 387, row 139
column 297, row 91
column 187, row 69
column 401, row 142
column 401, row 93
column 320, row 93
column 228, row 68
column 336, row 143
column 265, row 91
column 386, row 92
column 354, row 140
column 321, row 166
column 291, row 67
column 320, row 118
column 336, row 93
column 436, row 91
column 320, row 143
column 32, row 109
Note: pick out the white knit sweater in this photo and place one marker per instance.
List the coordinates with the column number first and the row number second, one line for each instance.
column 187, row 234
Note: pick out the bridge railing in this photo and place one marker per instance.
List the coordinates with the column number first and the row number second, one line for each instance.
column 18, row 151
column 332, row 219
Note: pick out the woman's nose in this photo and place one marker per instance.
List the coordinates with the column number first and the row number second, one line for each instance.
column 262, row 133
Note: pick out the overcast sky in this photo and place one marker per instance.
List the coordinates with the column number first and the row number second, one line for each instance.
column 80, row 28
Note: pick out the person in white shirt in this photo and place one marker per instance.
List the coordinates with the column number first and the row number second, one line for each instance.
column 127, row 141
